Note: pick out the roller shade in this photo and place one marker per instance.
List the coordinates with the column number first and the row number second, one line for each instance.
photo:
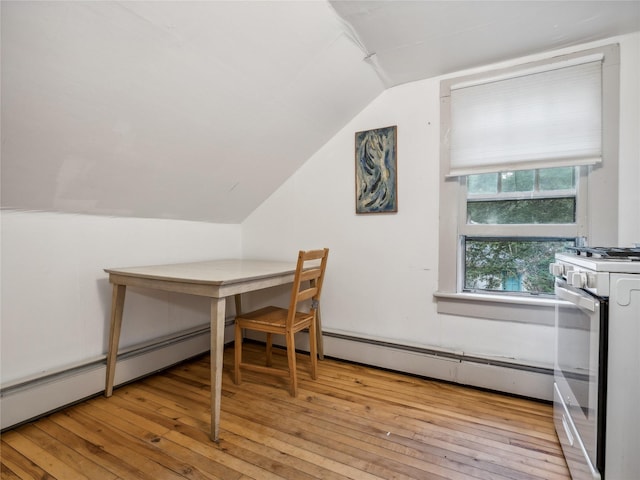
column 537, row 118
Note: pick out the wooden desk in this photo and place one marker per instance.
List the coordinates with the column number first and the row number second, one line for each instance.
column 216, row 279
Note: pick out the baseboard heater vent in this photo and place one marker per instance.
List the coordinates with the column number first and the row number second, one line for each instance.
column 461, row 357
column 32, row 397
column 29, row 398
column 531, row 381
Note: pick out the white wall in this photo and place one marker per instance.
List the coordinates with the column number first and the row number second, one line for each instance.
column 383, row 269
column 629, row 192
column 56, row 298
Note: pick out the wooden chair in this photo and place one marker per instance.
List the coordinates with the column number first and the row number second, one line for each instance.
column 287, row 322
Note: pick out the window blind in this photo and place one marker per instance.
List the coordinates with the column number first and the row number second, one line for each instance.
column 528, row 119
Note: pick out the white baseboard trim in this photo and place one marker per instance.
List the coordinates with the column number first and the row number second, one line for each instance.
column 33, row 398
column 489, row 373
column 492, row 374
column 23, row 401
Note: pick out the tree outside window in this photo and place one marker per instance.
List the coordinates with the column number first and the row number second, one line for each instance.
column 528, row 197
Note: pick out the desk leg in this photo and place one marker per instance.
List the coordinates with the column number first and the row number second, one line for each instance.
column 217, row 347
column 117, row 307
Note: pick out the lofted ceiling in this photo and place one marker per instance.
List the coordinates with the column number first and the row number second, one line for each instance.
column 200, row 110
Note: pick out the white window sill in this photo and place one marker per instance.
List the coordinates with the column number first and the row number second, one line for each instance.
column 507, row 308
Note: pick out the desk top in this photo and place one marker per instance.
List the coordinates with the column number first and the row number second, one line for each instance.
column 210, row 272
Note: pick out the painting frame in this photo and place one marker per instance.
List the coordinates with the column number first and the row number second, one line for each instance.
column 376, row 170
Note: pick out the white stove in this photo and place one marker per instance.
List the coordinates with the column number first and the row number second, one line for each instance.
column 597, row 371
column 590, row 268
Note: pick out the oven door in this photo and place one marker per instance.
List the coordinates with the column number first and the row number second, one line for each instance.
column 580, row 379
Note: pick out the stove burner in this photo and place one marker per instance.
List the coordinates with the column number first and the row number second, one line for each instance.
column 609, row 253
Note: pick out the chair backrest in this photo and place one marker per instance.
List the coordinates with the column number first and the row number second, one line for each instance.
column 310, row 268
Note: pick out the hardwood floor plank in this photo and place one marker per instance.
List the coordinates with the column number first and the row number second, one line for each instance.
column 322, row 457
column 148, row 444
column 426, row 409
column 406, row 449
column 394, row 448
column 390, row 421
column 253, row 456
column 21, row 466
column 120, row 447
column 66, row 454
column 42, row 458
column 150, row 417
column 7, row 474
column 93, row 452
column 311, row 470
column 191, row 432
column 202, row 445
column 353, row 422
column 532, row 470
column 427, row 414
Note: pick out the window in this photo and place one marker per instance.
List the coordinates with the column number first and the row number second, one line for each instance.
column 532, row 199
column 528, row 154
column 521, row 197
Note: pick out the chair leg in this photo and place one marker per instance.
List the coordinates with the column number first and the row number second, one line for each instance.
column 319, row 334
column 313, row 350
column 291, row 355
column 269, row 349
column 238, row 354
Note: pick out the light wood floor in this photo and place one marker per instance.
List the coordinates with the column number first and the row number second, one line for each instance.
column 353, row 422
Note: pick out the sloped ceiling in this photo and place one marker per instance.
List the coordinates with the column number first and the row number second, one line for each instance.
column 200, row 110
column 411, row 40
column 184, row 110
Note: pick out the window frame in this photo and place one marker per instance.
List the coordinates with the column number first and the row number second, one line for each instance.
column 596, row 208
column 564, row 230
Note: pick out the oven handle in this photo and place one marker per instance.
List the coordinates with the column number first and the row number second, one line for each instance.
column 576, row 298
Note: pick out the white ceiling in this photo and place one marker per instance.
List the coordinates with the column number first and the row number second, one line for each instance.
column 200, row 110
column 411, row 40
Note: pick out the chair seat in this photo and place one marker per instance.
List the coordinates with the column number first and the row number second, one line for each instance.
column 275, row 318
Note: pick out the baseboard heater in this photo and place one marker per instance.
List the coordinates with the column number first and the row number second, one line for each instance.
column 27, row 399
column 502, row 375
column 441, row 353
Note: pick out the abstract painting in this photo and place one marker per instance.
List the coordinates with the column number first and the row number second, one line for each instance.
column 376, row 170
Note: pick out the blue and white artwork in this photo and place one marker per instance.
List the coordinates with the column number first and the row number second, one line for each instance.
column 376, row 171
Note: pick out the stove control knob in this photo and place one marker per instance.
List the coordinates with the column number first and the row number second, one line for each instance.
column 578, row 279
